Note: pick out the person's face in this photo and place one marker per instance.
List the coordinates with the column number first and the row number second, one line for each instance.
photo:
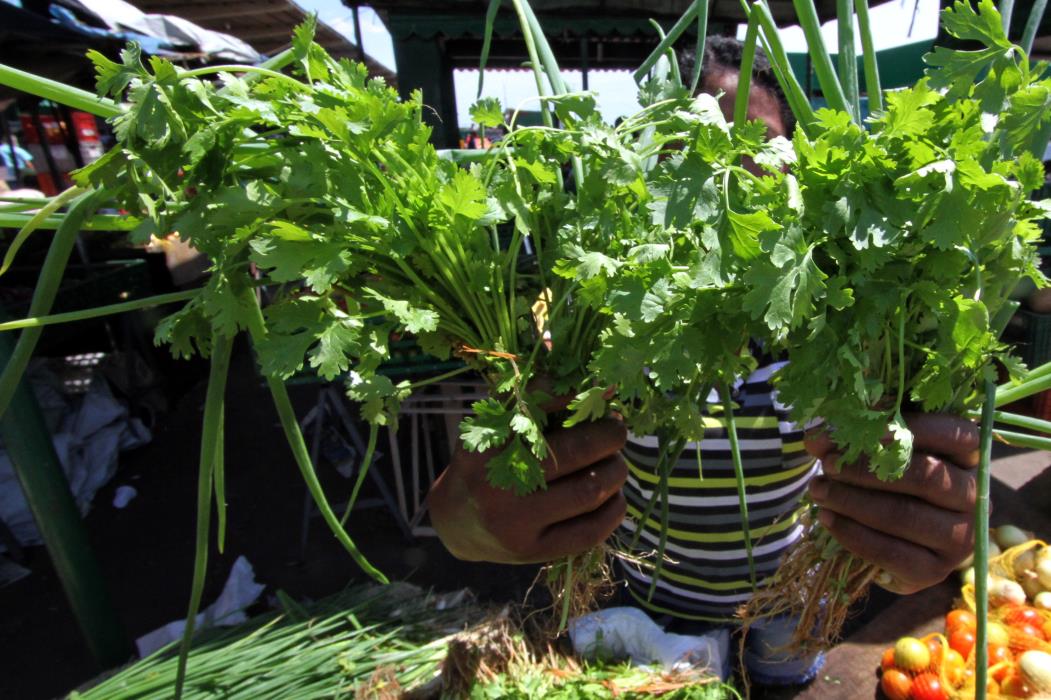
column 762, row 104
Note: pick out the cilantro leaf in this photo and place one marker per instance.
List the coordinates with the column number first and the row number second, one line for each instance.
column 588, row 405
column 487, row 112
column 489, row 427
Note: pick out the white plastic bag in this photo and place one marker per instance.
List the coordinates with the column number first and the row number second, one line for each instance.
column 629, row 633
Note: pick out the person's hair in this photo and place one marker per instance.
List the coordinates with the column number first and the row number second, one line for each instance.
column 723, row 53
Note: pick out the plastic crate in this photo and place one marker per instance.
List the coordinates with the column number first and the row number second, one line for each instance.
column 83, row 286
column 407, row 360
column 1035, row 345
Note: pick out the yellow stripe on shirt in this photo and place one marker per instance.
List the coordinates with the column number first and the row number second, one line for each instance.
column 691, row 482
column 712, row 537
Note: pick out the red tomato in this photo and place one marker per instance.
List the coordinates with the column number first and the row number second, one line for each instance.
column 888, row 659
column 1026, row 637
column 1015, row 686
column 895, row 684
column 962, row 640
column 1019, row 615
column 954, row 666
column 960, row 618
column 999, row 662
column 934, row 646
column 926, row 686
column 1032, row 630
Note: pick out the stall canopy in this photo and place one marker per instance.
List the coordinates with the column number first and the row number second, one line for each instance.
column 434, row 37
column 158, row 33
column 265, row 24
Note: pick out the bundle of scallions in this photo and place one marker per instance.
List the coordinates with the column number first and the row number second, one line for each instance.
column 386, row 642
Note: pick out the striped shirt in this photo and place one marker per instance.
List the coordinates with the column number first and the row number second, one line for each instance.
column 705, row 573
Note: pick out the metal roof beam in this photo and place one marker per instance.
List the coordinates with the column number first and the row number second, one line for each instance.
column 276, row 31
column 232, row 11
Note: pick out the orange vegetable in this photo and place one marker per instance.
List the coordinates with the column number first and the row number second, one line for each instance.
column 895, row 684
column 936, row 650
column 1015, row 685
column 960, row 618
column 999, row 662
column 962, row 640
column 888, row 659
column 927, row 686
column 954, row 667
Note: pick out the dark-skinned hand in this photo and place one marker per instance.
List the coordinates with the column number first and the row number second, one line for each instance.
column 579, row 509
column 917, row 529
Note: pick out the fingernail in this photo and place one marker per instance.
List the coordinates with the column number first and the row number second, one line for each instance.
column 826, row 517
column 819, row 489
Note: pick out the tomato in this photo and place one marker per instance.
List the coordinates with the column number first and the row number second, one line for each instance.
column 999, row 662
column 926, row 686
column 1026, row 637
column 1015, row 686
column 1032, row 630
column 962, row 640
column 888, row 659
column 910, row 654
column 992, row 688
column 960, row 618
column 1020, row 615
column 997, row 634
column 895, row 684
column 936, row 649
column 953, row 666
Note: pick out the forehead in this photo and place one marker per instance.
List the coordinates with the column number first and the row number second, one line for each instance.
column 762, row 103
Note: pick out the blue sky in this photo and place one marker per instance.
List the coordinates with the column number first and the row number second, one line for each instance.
column 891, row 21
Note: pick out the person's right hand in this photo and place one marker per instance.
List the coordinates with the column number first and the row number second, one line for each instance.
column 580, row 507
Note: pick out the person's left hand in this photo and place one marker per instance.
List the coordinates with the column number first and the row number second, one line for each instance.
column 917, row 529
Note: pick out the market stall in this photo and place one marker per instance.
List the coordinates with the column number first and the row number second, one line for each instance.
column 578, row 281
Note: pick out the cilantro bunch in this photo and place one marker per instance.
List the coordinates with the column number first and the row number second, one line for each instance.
column 888, row 284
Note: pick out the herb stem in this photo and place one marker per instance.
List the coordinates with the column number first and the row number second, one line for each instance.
column 59, row 92
column 868, row 50
column 34, row 222
column 211, row 451
column 48, row 282
column 234, row 68
column 99, row 311
column 981, row 542
column 294, row 436
column 742, row 495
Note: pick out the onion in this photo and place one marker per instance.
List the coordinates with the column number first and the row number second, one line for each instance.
column 1042, row 600
column 1043, row 572
column 1036, row 669
column 1030, row 583
column 1024, row 562
column 1005, row 590
column 1008, row 536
